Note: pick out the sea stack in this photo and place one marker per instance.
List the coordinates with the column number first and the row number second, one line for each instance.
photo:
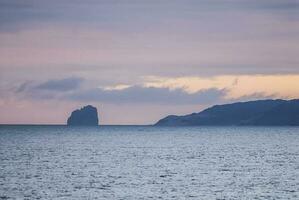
column 86, row 116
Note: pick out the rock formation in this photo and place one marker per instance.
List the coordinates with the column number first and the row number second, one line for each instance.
column 86, row 116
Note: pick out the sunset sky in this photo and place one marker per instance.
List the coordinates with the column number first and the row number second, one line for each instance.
column 140, row 60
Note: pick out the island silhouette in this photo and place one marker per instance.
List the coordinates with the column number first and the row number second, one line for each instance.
column 269, row 112
column 252, row 113
column 86, row 116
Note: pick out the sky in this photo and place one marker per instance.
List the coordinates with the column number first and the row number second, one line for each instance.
column 138, row 61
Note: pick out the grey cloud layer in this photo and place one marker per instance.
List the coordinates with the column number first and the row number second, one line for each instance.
column 150, row 95
column 61, row 84
column 70, row 89
column 50, row 89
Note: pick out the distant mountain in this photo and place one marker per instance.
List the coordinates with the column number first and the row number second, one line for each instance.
column 255, row 113
column 86, row 116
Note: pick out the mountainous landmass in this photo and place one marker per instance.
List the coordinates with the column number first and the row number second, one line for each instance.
column 86, row 116
column 253, row 113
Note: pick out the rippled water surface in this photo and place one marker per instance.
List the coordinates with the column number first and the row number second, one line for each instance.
column 139, row 162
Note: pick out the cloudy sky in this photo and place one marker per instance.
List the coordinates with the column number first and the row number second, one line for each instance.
column 138, row 61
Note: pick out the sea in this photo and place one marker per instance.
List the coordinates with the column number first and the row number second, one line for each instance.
column 148, row 162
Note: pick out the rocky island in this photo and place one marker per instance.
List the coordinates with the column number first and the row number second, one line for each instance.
column 253, row 113
column 86, row 116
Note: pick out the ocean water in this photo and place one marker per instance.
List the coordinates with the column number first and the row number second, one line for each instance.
column 143, row 162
